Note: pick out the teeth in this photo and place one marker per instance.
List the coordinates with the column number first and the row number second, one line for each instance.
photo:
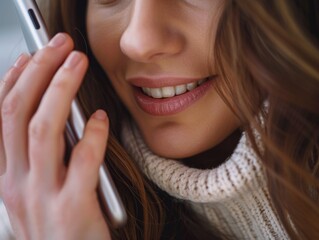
column 166, row 92
column 180, row 89
column 191, row 86
column 201, row 81
column 156, row 92
column 147, row 91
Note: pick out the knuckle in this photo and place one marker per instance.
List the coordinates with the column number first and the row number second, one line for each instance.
column 11, row 196
column 97, row 128
column 35, row 199
column 39, row 130
column 10, row 106
column 9, row 78
column 42, row 57
column 60, row 84
column 84, row 152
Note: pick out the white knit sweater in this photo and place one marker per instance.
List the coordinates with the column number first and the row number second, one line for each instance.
column 232, row 197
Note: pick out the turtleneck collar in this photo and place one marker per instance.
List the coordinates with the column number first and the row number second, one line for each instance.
column 240, row 173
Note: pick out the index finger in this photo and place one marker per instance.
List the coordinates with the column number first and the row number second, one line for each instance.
column 24, row 98
column 6, row 85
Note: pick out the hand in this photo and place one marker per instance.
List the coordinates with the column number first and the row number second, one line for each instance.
column 44, row 199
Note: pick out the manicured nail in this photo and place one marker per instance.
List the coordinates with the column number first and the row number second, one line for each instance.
column 73, row 59
column 58, row 40
column 100, row 115
column 21, row 61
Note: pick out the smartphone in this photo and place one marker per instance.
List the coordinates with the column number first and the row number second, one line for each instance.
column 36, row 37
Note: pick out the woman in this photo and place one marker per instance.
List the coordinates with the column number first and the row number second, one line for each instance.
column 187, row 75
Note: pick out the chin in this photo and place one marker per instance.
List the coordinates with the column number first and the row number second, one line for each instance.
column 178, row 147
column 172, row 153
column 178, row 141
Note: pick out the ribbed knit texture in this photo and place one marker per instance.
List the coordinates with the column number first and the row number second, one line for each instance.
column 232, row 197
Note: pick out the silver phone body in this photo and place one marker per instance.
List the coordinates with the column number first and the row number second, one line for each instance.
column 36, row 37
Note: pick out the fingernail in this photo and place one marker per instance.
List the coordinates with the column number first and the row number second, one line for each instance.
column 58, row 40
column 21, row 61
column 100, row 115
column 73, row 59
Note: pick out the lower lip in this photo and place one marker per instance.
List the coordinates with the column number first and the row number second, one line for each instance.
column 172, row 105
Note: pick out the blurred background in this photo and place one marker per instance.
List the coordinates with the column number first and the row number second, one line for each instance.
column 12, row 44
column 11, row 39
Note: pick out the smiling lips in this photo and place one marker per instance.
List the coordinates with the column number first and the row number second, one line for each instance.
column 161, row 101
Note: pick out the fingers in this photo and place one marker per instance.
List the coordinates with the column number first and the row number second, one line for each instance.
column 35, row 103
column 47, row 127
column 13, row 74
column 88, row 155
column 5, row 86
column 23, row 99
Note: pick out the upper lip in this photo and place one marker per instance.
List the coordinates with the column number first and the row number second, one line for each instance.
column 158, row 82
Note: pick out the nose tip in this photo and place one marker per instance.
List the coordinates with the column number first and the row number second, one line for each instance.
column 141, row 48
column 146, row 42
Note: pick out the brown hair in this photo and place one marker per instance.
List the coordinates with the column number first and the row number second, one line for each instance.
column 152, row 214
column 267, row 52
column 271, row 47
column 143, row 207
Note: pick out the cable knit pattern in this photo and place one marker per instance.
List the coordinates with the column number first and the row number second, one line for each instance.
column 232, row 197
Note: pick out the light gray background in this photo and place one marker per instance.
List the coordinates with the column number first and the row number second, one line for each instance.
column 12, row 43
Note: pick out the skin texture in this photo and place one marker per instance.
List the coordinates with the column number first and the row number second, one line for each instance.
column 143, row 38
column 42, row 196
column 153, row 37
column 163, row 38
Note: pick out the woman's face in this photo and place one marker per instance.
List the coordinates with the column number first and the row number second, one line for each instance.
column 156, row 54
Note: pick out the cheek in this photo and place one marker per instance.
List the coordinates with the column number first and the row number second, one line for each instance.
column 104, row 43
